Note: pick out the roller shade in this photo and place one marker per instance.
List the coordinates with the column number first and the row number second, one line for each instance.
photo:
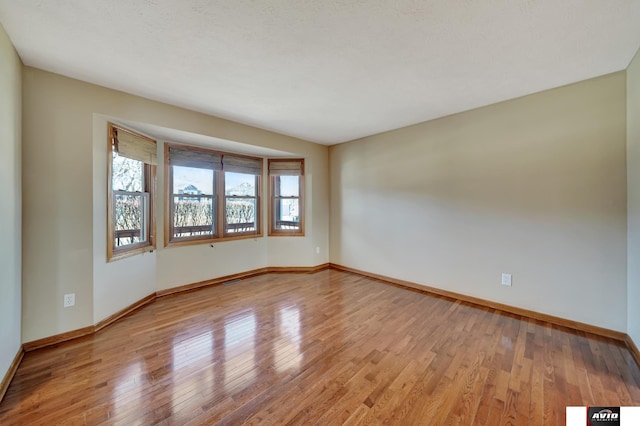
column 232, row 163
column 194, row 158
column 286, row 168
column 136, row 147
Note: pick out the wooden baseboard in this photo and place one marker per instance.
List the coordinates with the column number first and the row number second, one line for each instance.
column 242, row 275
column 126, row 311
column 6, row 380
column 212, row 282
column 588, row 328
column 633, row 348
column 58, row 338
column 299, row 269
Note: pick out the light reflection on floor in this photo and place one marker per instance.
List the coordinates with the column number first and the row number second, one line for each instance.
column 287, row 347
column 240, row 362
column 128, row 389
column 191, row 350
column 192, row 369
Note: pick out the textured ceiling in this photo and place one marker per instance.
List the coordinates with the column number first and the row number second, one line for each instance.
column 326, row 71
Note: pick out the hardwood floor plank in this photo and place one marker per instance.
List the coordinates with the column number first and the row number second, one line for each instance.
column 327, row 348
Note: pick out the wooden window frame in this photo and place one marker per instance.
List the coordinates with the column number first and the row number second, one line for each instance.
column 169, row 221
column 258, row 211
column 149, row 192
column 273, row 199
column 219, row 201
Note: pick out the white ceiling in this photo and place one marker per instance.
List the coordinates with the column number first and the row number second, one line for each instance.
column 326, row 71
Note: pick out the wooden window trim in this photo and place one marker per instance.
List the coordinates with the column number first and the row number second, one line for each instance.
column 170, row 200
column 149, row 177
column 235, row 235
column 273, row 231
column 220, row 203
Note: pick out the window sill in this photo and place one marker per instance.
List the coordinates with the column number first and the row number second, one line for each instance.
column 190, row 242
column 286, row 234
column 121, row 254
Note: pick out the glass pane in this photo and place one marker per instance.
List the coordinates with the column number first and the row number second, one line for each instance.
column 239, row 184
column 287, row 213
column 289, row 186
column 127, row 174
column 191, row 180
column 241, row 215
column 130, row 219
column 193, row 216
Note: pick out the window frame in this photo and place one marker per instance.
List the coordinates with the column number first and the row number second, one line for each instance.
column 273, row 199
column 225, row 231
column 219, row 200
column 169, row 220
column 149, row 192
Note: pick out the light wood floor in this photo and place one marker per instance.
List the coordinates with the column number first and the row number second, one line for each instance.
column 326, row 348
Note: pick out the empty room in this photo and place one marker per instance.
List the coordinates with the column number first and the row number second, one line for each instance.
column 345, row 212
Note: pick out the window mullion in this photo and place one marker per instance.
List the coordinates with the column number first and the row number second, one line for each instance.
column 256, row 212
column 171, row 202
column 221, row 205
column 133, row 193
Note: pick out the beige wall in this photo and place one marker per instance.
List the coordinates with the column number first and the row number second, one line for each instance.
column 10, row 202
column 633, row 198
column 534, row 187
column 64, row 204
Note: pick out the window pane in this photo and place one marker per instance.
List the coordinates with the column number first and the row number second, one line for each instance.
column 127, row 174
column 191, row 180
column 241, row 215
column 129, row 219
column 289, row 186
column 193, row 215
column 287, row 213
column 239, row 184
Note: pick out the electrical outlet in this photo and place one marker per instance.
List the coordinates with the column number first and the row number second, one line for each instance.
column 506, row 279
column 69, row 300
column 317, row 250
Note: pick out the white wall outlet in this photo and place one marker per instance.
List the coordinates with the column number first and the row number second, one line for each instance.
column 506, row 279
column 317, row 250
column 69, row 300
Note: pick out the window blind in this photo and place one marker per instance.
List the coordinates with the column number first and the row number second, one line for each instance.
column 189, row 157
column 134, row 146
column 232, row 163
column 286, row 168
